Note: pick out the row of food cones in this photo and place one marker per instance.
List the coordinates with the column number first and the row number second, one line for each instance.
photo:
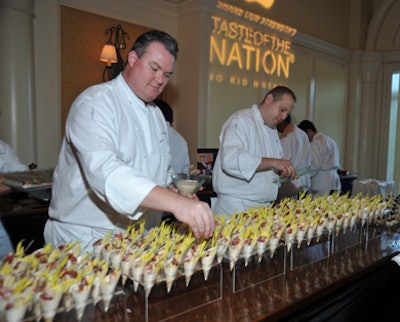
column 69, row 276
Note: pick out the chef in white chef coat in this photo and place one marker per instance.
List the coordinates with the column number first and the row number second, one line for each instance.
column 296, row 148
column 324, row 160
column 250, row 155
column 114, row 160
column 179, row 148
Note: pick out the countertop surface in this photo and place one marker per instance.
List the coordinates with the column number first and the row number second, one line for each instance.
column 251, row 293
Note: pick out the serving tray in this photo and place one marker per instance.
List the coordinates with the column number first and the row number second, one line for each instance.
column 29, row 180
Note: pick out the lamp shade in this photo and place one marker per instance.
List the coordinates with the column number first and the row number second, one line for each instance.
column 108, row 54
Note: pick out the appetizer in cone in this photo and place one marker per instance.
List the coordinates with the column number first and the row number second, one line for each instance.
column 301, row 232
column 274, row 242
column 107, row 287
column 346, row 221
column 320, row 227
column 15, row 308
column 235, row 247
column 100, row 269
column 261, row 247
column 222, row 246
column 49, row 301
column 224, row 236
column 149, row 276
column 338, row 223
column 170, row 270
column 137, row 272
column 311, row 231
column 207, row 259
column 208, row 254
column 81, row 290
column 190, row 261
column 250, row 240
column 126, row 266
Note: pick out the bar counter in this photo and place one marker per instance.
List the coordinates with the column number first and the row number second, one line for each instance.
column 356, row 282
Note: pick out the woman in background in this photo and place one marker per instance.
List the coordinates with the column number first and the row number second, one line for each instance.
column 9, row 162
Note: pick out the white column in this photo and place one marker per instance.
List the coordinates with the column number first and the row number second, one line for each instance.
column 353, row 114
column 370, row 118
column 17, row 88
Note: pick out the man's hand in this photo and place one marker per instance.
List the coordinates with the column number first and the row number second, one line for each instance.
column 285, row 168
column 189, row 210
column 282, row 167
column 197, row 215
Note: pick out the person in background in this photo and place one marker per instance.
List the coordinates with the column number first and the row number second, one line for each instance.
column 9, row 162
column 296, row 148
column 114, row 159
column 179, row 148
column 249, row 159
column 324, row 160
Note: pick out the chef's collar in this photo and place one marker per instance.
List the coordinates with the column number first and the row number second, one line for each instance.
column 132, row 94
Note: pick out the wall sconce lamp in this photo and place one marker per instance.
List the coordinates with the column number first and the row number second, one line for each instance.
column 110, row 54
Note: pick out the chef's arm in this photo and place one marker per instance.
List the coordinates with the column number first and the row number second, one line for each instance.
column 282, row 167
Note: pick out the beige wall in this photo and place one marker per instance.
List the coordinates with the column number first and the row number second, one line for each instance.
column 318, row 74
column 331, row 40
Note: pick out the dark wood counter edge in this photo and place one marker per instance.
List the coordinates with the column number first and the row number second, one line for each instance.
column 25, row 212
column 17, row 204
column 326, row 291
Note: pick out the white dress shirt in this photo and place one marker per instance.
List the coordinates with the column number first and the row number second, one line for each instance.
column 179, row 151
column 115, row 151
column 325, row 160
column 244, row 140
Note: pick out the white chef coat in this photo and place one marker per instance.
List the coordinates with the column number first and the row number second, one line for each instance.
column 244, row 140
column 179, row 151
column 9, row 162
column 296, row 148
column 115, row 151
column 325, row 160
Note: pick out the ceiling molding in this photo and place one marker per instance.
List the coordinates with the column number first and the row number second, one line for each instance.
column 384, row 28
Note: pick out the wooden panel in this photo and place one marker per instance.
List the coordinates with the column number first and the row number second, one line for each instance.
column 83, row 35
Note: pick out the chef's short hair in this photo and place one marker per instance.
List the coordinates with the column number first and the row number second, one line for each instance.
column 145, row 39
column 280, row 90
column 307, row 125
